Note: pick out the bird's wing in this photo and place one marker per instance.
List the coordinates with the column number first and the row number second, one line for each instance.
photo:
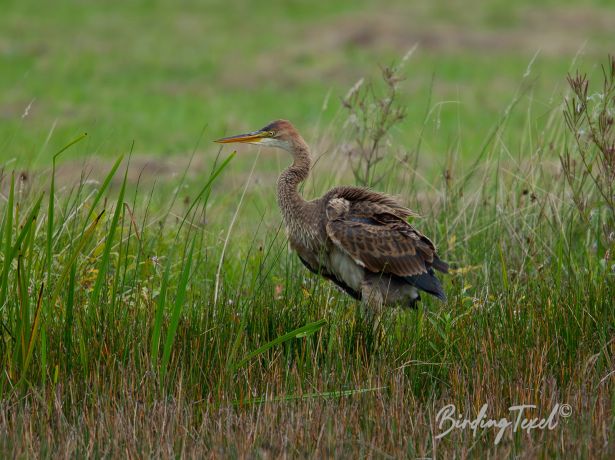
column 380, row 241
column 365, row 200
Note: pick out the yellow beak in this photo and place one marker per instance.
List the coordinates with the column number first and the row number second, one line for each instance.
column 252, row 137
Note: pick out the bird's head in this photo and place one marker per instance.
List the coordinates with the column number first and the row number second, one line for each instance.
column 279, row 133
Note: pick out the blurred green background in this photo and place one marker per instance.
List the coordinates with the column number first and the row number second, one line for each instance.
column 159, row 72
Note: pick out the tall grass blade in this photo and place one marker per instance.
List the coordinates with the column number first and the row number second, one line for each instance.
column 24, row 313
column 68, row 318
column 50, row 206
column 303, row 331
column 504, row 270
column 175, row 314
column 25, row 230
column 103, row 188
column 104, row 262
column 7, row 222
column 324, row 395
column 85, row 237
column 160, row 313
column 206, row 187
column 33, row 334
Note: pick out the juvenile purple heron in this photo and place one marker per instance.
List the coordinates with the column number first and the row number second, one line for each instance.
column 353, row 236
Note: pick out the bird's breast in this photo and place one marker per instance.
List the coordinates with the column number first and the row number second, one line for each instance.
column 306, row 240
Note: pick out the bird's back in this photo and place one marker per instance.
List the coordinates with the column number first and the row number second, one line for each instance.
column 369, row 230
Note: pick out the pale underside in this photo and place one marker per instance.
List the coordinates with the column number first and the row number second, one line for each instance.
column 376, row 289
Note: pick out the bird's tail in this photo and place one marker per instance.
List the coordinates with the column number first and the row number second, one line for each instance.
column 439, row 265
column 429, row 283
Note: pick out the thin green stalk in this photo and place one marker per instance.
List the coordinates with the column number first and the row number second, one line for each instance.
column 323, row 395
column 33, row 335
column 68, row 318
column 303, row 331
column 51, row 207
column 85, row 237
column 103, row 189
column 8, row 239
column 205, row 188
column 176, row 312
column 155, row 343
column 104, row 261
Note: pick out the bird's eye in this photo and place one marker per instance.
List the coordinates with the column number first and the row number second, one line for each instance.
column 271, row 133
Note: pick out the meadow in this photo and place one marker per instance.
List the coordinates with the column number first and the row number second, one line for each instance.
column 149, row 306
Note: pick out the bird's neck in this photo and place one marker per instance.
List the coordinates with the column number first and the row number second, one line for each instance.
column 290, row 201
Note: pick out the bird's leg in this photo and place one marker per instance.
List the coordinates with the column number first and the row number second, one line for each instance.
column 372, row 299
column 413, row 302
column 372, row 307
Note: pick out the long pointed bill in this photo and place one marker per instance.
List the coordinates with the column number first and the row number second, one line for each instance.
column 253, row 137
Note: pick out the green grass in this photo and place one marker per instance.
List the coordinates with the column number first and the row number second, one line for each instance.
column 161, row 314
column 157, row 74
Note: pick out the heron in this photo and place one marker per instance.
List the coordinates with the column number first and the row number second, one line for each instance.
column 356, row 237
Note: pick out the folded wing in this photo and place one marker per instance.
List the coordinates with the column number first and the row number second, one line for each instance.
column 377, row 237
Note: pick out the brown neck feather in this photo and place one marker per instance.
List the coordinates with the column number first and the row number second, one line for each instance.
column 290, row 201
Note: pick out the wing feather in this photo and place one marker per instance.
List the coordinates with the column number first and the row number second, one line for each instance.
column 364, row 200
column 376, row 236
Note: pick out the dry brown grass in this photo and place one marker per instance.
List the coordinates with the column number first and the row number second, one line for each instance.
column 394, row 422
